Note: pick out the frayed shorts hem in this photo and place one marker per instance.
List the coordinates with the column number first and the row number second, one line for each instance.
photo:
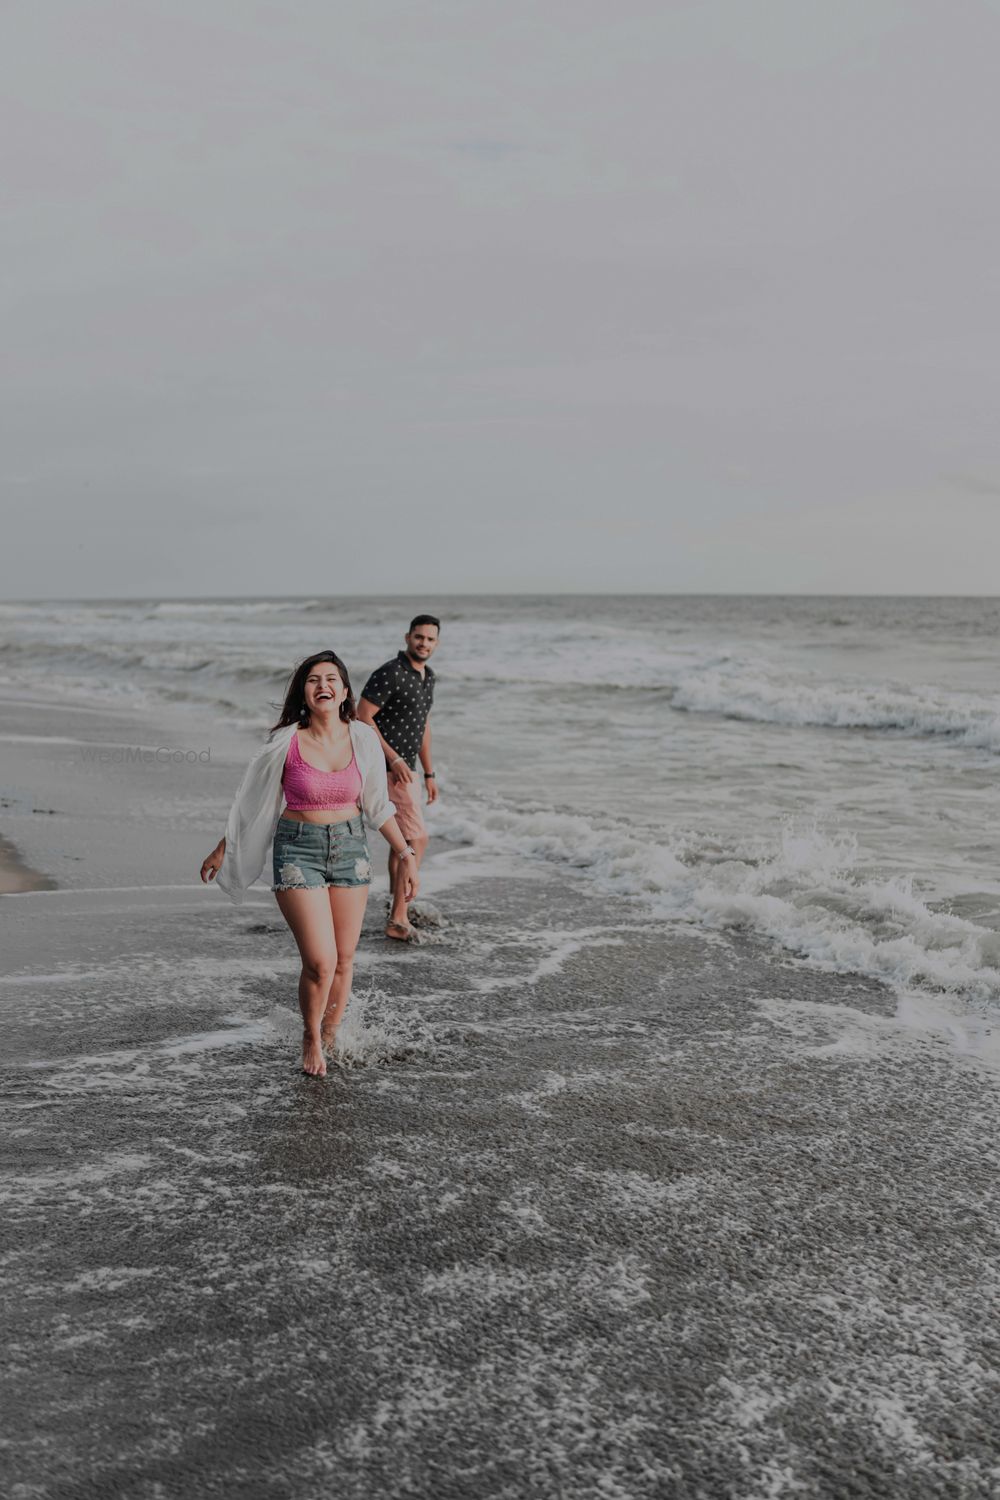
column 328, row 885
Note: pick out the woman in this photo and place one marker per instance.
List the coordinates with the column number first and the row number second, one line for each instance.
column 328, row 766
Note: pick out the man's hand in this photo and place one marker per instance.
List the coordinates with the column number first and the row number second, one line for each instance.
column 400, row 771
column 395, row 765
column 432, row 789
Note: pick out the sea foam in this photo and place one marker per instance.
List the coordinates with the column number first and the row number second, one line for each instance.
column 805, row 888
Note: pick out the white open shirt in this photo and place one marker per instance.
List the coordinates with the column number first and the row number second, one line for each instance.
column 256, row 809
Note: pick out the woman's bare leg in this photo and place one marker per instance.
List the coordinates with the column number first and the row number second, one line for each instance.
column 308, row 914
column 347, row 909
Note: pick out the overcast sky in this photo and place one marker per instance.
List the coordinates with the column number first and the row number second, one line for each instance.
column 316, row 296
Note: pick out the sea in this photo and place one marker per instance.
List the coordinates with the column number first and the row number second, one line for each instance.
column 820, row 773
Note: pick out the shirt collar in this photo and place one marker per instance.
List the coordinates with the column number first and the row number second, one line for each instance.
column 402, row 656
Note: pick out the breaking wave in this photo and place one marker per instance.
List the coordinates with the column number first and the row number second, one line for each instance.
column 806, row 889
column 911, row 711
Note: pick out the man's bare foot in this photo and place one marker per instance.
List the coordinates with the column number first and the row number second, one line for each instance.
column 313, row 1061
column 401, row 931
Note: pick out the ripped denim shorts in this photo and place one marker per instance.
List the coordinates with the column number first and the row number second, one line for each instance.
column 312, row 856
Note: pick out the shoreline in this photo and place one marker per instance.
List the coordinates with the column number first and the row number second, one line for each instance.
column 590, row 1202
column 113, row 813
column 16, row 875
column 16, row 872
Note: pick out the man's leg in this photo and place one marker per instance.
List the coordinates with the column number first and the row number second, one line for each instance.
column 406, row 797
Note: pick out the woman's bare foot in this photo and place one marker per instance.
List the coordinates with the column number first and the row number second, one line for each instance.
column 313, row 1061
column 328, row 1036
column 401, row 931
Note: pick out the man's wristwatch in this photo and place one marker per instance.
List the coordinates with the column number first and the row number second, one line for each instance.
column 430, row 776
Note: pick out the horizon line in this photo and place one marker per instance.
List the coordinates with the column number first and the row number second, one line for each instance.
column 493, row 594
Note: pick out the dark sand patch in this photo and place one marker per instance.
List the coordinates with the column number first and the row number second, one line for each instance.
column 16, row 875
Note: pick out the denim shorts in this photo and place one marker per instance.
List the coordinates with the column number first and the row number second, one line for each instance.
column 312, row 856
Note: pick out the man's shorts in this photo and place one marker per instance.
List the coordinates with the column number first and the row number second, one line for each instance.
column 406, row 796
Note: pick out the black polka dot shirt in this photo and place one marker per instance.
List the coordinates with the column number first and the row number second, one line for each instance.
column 403, row 698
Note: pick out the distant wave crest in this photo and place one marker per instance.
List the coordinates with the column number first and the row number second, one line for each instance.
column 233, row 606
column 745, row 695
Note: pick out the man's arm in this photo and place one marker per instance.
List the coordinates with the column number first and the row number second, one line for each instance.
column 367, row 713
column 428, row 764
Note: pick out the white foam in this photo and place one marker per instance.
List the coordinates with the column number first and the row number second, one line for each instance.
column 806, row 888
column 240, row 1033
column 749, row 691
column 53, row 707
column 899, row 1426
column 43, row 1181
column 622, row 1284
column 109, row 1278
column 857, row 1033
column 637, row 1193
column 63, row 739
column 562, row 946
column 581, row 652
column 377, row 1028
column 234, row 607
column 64, row 976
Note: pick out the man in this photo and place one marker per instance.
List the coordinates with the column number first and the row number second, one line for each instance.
column 396, row 701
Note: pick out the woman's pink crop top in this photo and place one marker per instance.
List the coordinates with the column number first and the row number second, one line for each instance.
column 306, row 788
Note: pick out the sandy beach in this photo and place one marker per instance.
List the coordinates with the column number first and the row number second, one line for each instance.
column 15, row 874
column 592, row 1205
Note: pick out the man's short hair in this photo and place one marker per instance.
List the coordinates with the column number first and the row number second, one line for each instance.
column 424, row 620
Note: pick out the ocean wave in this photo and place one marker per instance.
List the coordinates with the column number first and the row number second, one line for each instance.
column 236, row 607
column 191, row 647
column 759, row 698
column 152, row 661
column 805, row 889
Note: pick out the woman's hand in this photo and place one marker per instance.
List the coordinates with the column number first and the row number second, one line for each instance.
column 213, row 864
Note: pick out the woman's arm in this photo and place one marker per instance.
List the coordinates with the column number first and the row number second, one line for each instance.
column 213, row 864
column 240, row 855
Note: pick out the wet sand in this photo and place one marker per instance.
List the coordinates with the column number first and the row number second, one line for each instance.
column 592, row 1205
column 15, row 875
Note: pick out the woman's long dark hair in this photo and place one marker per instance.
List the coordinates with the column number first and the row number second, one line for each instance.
column 294, row 710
